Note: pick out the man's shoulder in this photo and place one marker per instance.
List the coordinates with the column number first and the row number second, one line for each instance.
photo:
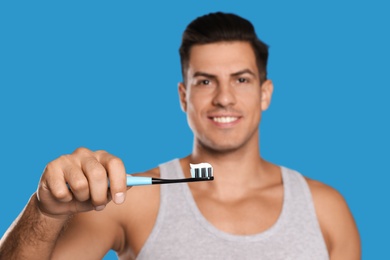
column 327, row 200
column 318, row 189
column 332, row 211
column 324, row 193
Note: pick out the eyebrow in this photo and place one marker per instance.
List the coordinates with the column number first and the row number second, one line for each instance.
column 238, row 73
column 203, row 74
column 235, row 74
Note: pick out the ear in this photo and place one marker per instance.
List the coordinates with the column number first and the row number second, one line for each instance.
column 266, row 94
column 183, row 96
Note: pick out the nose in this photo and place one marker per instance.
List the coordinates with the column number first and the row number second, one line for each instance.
column 224, row 96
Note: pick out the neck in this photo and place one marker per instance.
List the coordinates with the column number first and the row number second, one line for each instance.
column 237, row 172
column 241, row 165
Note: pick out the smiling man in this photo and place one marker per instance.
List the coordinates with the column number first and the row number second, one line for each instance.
column 252, row 210
column 223, row 100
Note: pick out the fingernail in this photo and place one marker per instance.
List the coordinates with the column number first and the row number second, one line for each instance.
column 99, row 208
column 119, row 198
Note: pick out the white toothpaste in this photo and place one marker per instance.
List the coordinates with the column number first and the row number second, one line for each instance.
column 198, row 166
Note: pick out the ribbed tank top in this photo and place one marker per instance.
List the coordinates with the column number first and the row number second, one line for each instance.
column 182, row 232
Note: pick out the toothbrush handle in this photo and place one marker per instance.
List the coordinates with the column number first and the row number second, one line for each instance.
column 138, row 180
column 133, row 181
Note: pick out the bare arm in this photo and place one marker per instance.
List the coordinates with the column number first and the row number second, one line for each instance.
column 337, row 223
column 35, row 233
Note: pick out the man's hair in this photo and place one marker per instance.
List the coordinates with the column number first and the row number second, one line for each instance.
column 222, row 27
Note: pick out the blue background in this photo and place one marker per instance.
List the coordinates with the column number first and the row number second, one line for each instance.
column 104, row 74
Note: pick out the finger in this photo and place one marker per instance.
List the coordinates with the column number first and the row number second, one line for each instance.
column 54, row 181
column 77, row 181
column 87, row 205
column 116, row 174
column 97, row 180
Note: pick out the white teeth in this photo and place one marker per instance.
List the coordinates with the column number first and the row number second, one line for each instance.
column 224, row 119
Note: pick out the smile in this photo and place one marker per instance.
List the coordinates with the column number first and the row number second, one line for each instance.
column 225, row 119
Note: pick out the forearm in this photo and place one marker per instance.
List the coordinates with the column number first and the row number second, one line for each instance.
column 33, row 235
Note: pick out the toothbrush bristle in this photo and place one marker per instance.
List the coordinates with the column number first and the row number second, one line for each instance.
column 210, row 172
column 203, row 173
column 201, row 170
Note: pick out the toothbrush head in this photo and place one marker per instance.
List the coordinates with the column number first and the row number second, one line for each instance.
column 201, row 171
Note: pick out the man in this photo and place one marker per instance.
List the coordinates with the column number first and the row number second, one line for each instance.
column 252, row 210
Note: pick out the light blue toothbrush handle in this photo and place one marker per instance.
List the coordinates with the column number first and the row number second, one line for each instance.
column 138, row 180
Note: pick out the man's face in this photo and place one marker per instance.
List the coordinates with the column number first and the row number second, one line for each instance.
column 222, row 95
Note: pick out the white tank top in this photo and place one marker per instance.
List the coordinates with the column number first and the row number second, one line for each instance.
column 181, row 231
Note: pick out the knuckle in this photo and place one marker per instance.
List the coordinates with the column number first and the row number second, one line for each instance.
column 97, row 172
column 58, row 162
column 114, row 162
column 51, row 166
column 92, row 162
column 101, row 152
column 63, row 159
column 81, row 150
column 60, row 194
column 80, row 185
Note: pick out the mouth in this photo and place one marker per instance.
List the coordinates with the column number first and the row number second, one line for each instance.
column 224, row 119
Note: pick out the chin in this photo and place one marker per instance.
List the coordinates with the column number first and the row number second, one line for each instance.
column 222, row 147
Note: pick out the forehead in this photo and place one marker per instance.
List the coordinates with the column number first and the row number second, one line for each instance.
column 222, row 57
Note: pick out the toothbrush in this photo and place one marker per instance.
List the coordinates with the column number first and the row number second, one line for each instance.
column 199, row 172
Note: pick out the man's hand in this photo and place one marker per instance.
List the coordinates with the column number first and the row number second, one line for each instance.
column 79, row 182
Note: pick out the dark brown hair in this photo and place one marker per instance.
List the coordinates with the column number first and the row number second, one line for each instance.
column 222, row 27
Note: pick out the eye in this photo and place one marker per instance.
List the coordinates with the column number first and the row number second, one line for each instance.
column 203, row 82
column 242, row 80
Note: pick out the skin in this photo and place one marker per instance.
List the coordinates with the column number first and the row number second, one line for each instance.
column 223, row 100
